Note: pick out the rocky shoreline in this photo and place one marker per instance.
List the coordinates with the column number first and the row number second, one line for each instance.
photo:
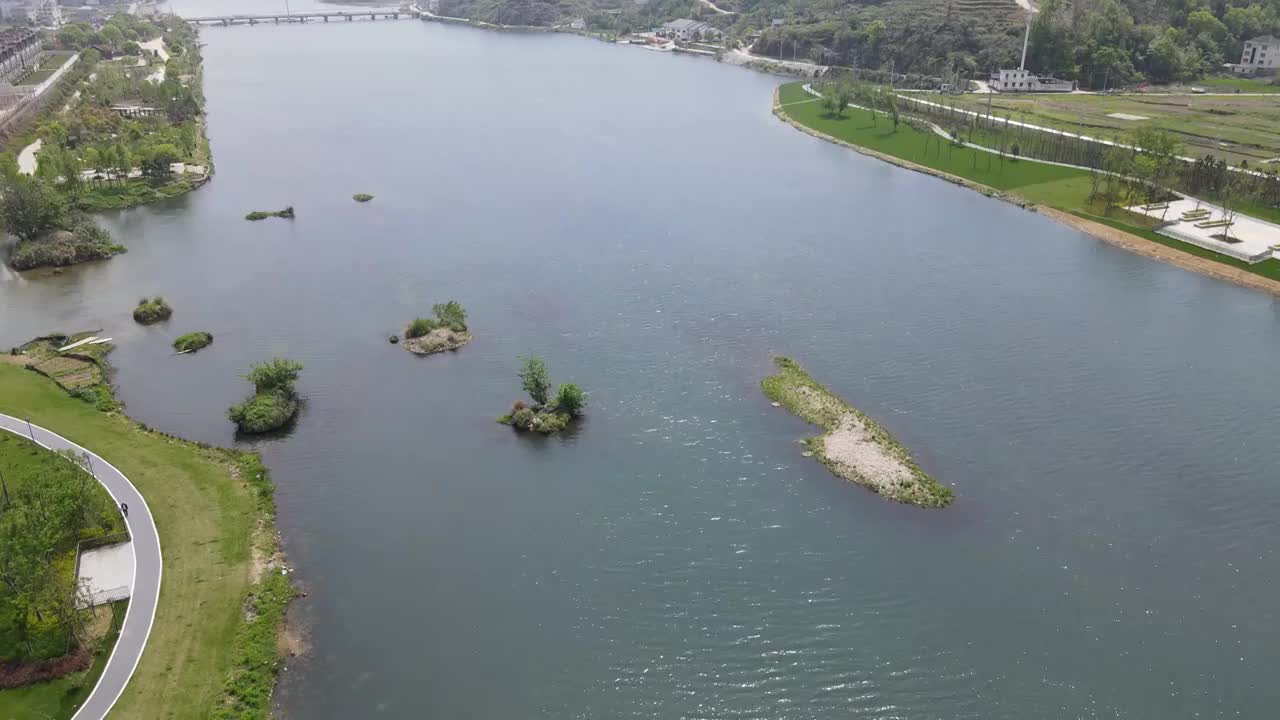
column 437, row 341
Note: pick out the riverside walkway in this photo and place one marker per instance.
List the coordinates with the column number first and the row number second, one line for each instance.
column 276, row 19
column 146, row 569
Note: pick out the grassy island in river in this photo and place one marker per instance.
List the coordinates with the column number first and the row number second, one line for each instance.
column 152, row 310
column 286, row 213
column 854, row 447
column 192, row 342
column 274, row 402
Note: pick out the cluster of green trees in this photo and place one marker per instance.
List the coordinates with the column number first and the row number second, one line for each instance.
column 119, row 35
column 274, row 402
column 1119, row 42
column 90, row 153
column 1143, row 172
column 1094, row 41
column 49, row 233
column 547, row 414
column 838, row 96
column 43, row 514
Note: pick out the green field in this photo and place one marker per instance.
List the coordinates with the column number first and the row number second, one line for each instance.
column 35, row 77
column 211, row 507
column 1232, row 127
column 1225, row 83
column 1062, row 188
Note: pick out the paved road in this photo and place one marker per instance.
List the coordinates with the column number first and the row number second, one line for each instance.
column 146, row 570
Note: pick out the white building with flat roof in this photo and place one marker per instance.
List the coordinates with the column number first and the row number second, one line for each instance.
column 1027, row 81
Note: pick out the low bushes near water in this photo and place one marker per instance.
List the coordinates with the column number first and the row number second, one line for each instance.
column 546, row 415
column 362, row 197
column 150, row 311
column 286, row 213
column 274, row 402
column 192, row 342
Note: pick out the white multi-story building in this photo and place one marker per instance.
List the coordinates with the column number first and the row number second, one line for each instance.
column 1261, row 56
column 45, row 13
column 1026, row 81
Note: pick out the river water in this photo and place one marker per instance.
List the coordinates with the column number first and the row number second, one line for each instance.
column 643, row 223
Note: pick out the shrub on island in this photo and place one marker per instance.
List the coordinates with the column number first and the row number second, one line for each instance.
column 192, row 342
column 274, row 402
column 152, row 310
column 286, row 213
column 362, row 197
column 546, row 415
column 447, row 330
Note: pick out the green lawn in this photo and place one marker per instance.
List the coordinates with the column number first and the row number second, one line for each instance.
column 208, row 506
column 53, row 62
column 1226, row 83
column 1062, row 188
column 35, row 77
column 1232, row 127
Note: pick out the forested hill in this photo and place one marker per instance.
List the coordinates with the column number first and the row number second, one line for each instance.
column 1124, row 41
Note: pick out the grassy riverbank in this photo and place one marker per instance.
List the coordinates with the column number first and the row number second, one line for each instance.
column 206, row 656
column 1028, row 182
column 854, row 446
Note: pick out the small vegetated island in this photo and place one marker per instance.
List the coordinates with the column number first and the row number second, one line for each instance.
column 152, row 310
column 286, row 213
column 447, row 330
column 274, row 402
column 362, row 197
column 546, row 414
column 192, row 342
column 854, row 447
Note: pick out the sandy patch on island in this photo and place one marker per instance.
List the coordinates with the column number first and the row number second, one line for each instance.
column 851, row 446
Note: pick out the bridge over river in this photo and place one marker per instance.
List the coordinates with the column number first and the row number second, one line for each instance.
column 276, row 19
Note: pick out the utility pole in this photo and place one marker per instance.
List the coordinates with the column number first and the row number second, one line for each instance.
column 1025, row 37
column 31, row 432
column 5, row 487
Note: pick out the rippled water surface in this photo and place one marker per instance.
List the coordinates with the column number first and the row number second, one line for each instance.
column 644, row 223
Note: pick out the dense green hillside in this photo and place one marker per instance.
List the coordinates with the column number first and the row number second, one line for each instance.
column 1123, row 41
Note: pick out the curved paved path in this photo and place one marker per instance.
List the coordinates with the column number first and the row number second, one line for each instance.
column 146, row 570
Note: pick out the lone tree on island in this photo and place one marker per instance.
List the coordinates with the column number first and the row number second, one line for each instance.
column 535, row 380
